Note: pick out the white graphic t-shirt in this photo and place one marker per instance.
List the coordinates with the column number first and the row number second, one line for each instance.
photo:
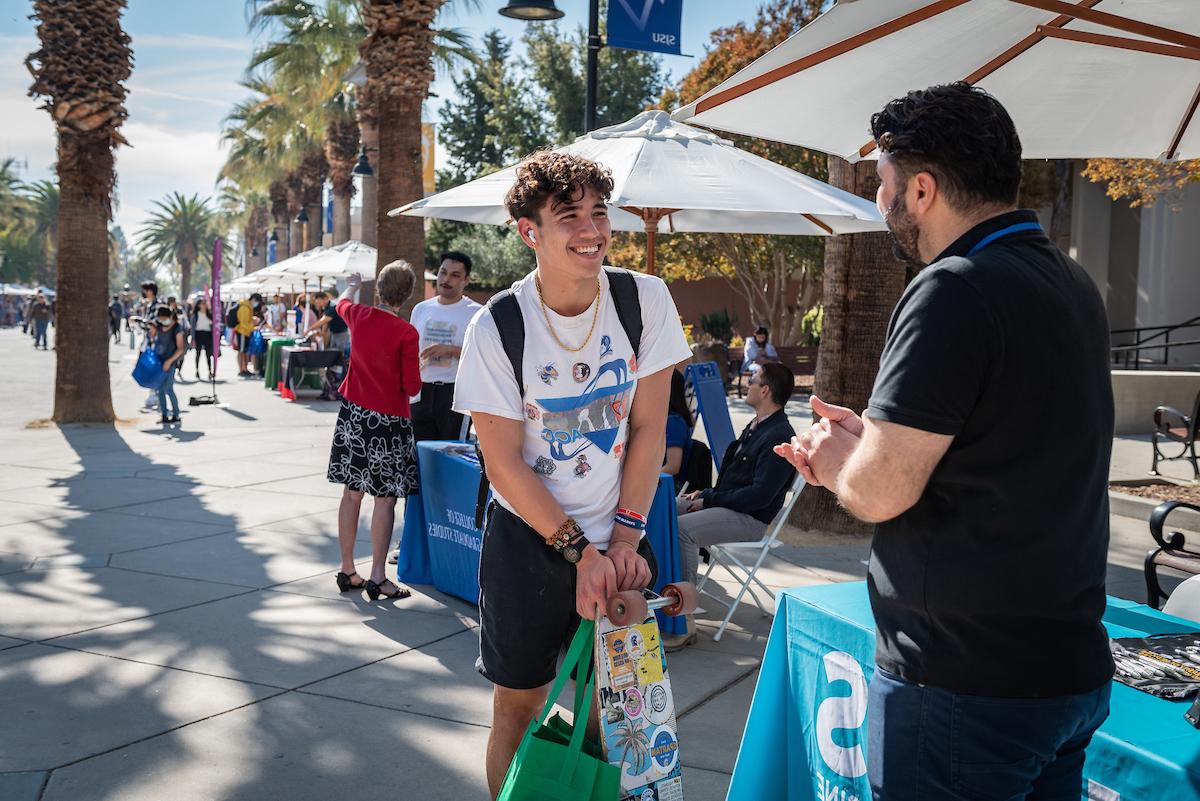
column 442, row 324
column 576, row 405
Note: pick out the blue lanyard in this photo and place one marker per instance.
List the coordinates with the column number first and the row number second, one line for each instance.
column 1012, row 229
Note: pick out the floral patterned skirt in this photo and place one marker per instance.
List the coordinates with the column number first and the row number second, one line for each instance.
column 373, row 453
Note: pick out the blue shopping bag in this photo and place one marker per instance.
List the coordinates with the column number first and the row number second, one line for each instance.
column 257, row 345
column 148, row 372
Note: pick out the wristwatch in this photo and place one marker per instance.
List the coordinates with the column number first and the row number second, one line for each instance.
column 573, row 551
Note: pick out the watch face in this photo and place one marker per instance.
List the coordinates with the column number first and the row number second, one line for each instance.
column 571, row 553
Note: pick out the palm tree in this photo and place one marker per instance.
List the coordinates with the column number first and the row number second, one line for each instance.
column 246, row 210
column 179, row 233
column 398, row 54
column 79, row 70
column 41, row 226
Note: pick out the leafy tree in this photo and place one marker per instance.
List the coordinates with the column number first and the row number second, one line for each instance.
column 629, row 81
column 180, row 232
column 1141, row 181
column 492, row 119
column 779, row 277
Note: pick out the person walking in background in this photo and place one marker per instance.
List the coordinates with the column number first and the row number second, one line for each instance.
column 372, row 452
column 202, row 335
column 185, row 324
column 40, row 314
column 988, row 564
column 116, row 313
column 442, row 323
column 170, row 349
column 246, row 324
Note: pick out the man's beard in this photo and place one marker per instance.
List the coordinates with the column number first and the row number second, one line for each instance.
column 904, row 231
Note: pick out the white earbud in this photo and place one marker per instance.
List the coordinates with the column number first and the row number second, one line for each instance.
column 532, row 236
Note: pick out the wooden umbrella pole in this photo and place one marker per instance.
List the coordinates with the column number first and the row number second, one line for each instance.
column 651, row 219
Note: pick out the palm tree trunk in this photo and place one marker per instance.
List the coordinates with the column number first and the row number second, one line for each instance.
column 341, row 218
column 863, row 282
column 185, row 280
column 81, row 388
column 316, row 225
column 399, row 178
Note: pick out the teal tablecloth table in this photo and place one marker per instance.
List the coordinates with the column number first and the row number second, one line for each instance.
column 440, row 544
column 805, row 737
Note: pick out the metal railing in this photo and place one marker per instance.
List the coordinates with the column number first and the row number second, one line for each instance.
column 1149, row 339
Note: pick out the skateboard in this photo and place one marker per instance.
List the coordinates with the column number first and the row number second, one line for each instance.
column 637, row 709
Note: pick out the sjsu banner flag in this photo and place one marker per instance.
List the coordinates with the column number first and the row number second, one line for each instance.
column 645, row 25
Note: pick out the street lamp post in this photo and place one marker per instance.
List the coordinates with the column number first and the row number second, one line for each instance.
column 542, row 10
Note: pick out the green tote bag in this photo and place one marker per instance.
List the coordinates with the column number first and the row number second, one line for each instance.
column 555, row 761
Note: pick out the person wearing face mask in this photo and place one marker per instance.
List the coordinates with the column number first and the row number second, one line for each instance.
column 991, row 541
column 170, row 348
column 442, row 323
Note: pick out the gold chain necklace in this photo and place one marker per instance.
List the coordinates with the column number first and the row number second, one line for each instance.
column 595, row 316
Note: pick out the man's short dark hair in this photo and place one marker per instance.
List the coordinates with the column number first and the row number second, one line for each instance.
column 458, row 256
column 150, row 286
column 557, row 177
column 256, row 297
column 779, row 379
column 959, row 134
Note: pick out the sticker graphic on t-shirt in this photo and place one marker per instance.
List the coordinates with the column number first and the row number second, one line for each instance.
column 618, row 449
column 581, row 372
column 548, row 373
column 574, row 423
column 582, row 468
column 532, row 412
column 605, row 346
column 543, row 466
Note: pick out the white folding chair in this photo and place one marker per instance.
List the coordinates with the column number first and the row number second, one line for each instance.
column 742, row 560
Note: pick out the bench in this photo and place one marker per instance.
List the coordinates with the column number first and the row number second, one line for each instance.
column 1172, row 551
column 799, row 359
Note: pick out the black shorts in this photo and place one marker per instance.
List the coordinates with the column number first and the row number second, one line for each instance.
column 526, row 602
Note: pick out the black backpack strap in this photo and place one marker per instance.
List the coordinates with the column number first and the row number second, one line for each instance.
column 506, row 313
column 623, row 288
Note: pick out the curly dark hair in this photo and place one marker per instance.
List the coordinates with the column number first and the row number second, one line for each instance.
column 959, row 134
column 560, row 177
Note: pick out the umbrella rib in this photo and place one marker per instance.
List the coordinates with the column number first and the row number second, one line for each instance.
column 828, row 53
column 1122, row 43
column 812, row 219
column 1114, row 21
column 1183, row 125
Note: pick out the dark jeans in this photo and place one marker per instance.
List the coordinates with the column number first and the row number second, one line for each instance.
column 432, row 416
column 166, row 392
column 39, row 336
column 935, row 745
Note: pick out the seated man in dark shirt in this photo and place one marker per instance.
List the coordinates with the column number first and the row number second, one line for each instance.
column 751, row 484
column 988, row 563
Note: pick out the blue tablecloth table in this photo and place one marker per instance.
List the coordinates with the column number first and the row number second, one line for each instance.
column 805, row 737
column 440, row 544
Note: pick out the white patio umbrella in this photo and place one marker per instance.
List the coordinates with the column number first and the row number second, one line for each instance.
column 335, row 262
column 694, row 179
column 1086, row 79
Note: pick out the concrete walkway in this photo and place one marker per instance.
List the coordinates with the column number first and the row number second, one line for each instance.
column 169, row 625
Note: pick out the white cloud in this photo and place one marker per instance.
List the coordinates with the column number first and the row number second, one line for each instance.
column 189, row 41
column 161, row 161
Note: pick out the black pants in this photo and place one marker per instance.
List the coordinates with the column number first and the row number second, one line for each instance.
column 432, row 417
column 203, row 344
column 526, row 602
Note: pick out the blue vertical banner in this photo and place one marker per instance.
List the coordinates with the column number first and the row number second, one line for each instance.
column 271, row 253
column 651, row 25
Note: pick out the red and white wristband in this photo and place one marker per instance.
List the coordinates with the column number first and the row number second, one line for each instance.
column 630, row 519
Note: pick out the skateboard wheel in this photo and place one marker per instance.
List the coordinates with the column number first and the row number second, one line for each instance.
column 683, row 596
column 628, row 607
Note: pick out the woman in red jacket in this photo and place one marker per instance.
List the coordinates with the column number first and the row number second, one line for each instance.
column 373, row 442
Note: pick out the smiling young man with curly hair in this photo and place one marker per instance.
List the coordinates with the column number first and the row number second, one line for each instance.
column 567, row 377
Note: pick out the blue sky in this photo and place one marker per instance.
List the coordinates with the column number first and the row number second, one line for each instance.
column 189, row 58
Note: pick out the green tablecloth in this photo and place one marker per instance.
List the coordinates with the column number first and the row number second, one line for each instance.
column 272, row 369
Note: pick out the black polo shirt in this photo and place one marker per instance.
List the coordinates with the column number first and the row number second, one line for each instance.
column 336, row 324
column 993, row 583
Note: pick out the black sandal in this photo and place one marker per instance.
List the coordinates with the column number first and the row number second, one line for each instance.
column 374, row 591
column 344, row 584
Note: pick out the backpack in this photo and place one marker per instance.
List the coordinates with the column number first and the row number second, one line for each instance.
column 231, row 319
column 510, row 325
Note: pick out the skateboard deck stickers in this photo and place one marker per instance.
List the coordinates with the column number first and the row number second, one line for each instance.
column 637, row 711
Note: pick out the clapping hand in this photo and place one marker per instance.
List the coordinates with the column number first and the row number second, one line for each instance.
column 820, row 453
